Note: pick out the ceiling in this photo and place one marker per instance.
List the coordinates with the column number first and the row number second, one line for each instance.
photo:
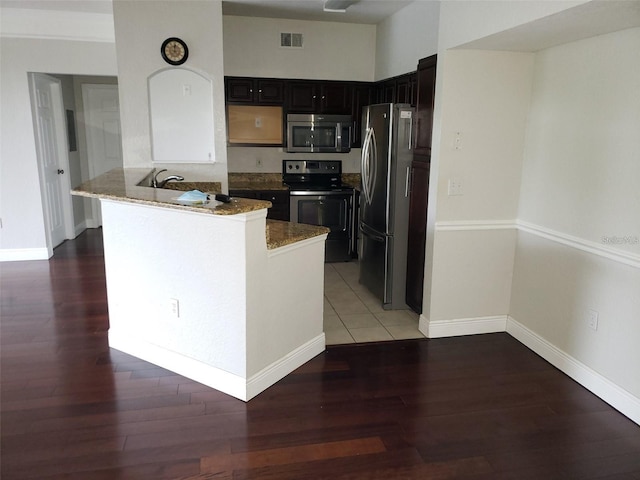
column 362, row 11
column 582, row 21
column 577, row 23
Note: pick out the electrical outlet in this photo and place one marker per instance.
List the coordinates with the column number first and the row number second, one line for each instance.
column 174, row 305
column 593, row 320
column 455, row 187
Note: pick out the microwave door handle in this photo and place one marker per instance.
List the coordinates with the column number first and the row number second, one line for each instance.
column 411, row 133
column 339, row 137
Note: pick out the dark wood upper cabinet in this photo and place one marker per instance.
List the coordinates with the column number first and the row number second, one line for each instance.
column 361, row 97
column 319, row 97
column 406, row 88
column 262, row 91
column 301, row 97
column 335, row 97
column 426, row 81
column 400, row 89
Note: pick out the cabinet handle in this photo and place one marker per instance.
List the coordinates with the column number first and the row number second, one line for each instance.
column 259, row 91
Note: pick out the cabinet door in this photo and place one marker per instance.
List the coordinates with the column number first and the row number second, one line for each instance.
column 335, row 98
column 239, row 90
column 387, row 93
column 361, row 98
column 426, row 79
column 270, row 91
column 302, row 97
column 280, row 203
column 404, row 89
column 417, row 233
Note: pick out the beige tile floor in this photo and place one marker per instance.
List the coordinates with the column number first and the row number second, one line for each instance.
column 353, row 315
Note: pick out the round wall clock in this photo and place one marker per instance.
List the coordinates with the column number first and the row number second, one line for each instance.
column 174, row 51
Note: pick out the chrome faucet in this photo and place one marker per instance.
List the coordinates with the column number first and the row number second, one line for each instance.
column 162, row 183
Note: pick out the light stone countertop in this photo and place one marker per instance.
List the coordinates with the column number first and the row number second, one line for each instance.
column 121, row 184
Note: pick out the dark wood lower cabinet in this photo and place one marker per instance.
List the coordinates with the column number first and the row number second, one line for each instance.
column 417, row 233
column 278, row 198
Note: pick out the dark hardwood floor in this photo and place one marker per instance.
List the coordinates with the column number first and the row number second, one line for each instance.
column 479, row 407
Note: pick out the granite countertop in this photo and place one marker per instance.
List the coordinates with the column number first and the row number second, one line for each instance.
column 281, row 233
column 121, row 184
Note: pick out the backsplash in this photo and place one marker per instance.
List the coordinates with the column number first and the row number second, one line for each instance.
column 269, row 159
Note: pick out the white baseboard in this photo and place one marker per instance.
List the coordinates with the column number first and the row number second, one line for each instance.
column 231, row 384
column 208, row 375
column 462, row 326
column 281, row 368
column 23, row 254
column 81, row 227
column 608, row 391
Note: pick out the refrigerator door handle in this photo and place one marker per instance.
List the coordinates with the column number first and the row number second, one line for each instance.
column 364, row 166
column 407, row 182
column 370, row 233
column 368, row 177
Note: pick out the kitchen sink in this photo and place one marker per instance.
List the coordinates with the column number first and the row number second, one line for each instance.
column 207, row 187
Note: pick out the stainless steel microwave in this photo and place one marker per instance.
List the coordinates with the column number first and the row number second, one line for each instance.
column 312, row 133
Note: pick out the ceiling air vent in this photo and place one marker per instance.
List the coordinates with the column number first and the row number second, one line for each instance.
column 291, row 40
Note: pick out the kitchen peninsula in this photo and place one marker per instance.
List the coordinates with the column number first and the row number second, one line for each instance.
column 212, row 291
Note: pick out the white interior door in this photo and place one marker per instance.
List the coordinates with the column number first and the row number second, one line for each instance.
column 102, row 123
column 51, row 148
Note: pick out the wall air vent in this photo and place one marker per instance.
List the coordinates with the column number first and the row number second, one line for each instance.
column 293, row 40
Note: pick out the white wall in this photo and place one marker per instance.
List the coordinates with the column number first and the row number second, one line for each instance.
column 583, row 142
column 462, row 22
column 22, row 234
column 405, row 38
column 331, row 50
column 580, row 188
column 485, row 97
column 146, row 25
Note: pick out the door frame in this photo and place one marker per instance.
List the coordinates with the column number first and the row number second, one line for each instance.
column 55, row 86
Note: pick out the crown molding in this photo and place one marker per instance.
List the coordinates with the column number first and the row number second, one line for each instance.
column 56, row 25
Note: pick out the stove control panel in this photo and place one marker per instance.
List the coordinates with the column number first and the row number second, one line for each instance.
column 306, row 167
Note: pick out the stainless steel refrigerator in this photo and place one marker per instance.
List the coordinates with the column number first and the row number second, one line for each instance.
column 384, row 201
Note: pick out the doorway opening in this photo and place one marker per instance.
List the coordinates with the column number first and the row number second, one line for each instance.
column 78, row 137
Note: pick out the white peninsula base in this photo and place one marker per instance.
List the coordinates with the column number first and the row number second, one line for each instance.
column 202, row 295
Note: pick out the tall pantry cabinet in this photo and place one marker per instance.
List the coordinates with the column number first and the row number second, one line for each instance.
column 420, row 167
